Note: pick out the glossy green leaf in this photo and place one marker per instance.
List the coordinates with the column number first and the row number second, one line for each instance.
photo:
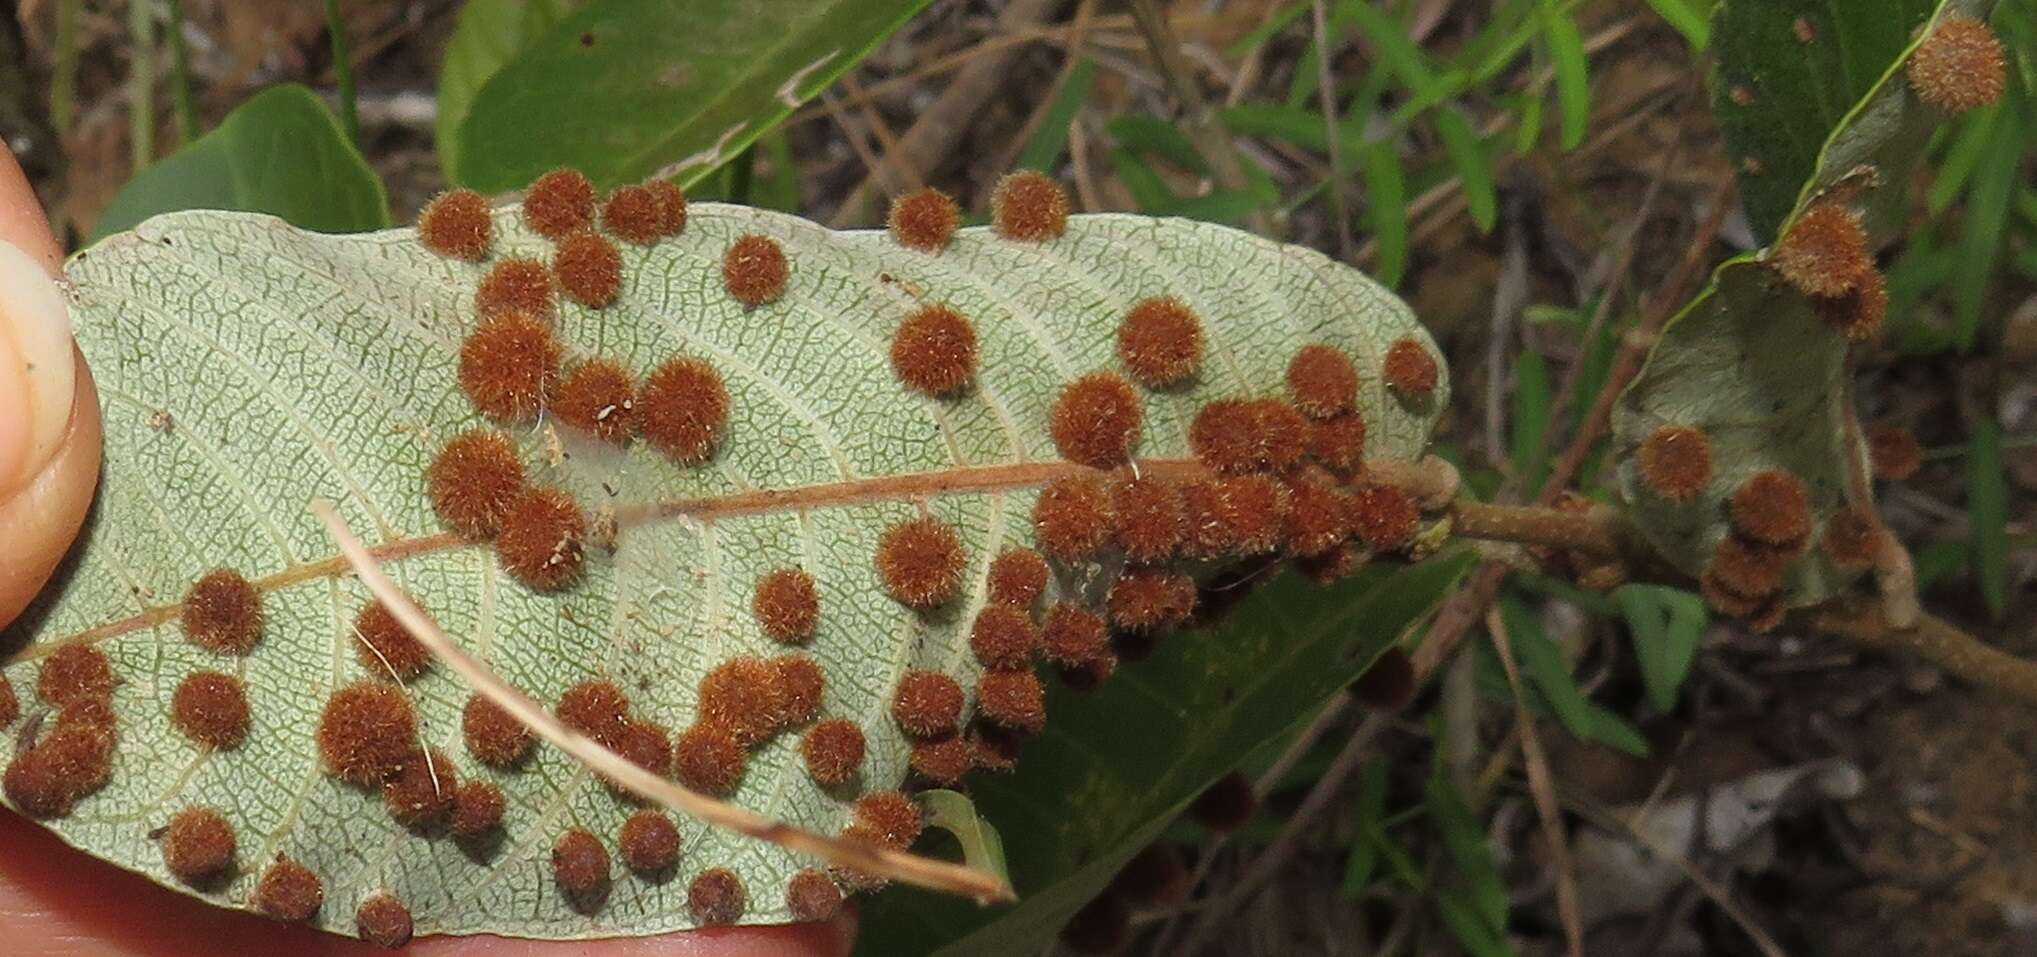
column 625, row 89
column 1117, row 764
column 281, row 153
column 489, row 34
column 1786, row 73
column 248, row 368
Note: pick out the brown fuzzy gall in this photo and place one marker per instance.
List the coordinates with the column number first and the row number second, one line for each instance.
column 682, row 408
column 10, row 706
column 367, row 732
column 1149, row 518
column 1857, row 315
column 1028, row 207
column 1147, row 600
column 1824, row 253
column 1160, row 341
column 1102, row 926
column 934, row 351
column 716, row 897
column 515, row 287
column 383, row 920
column 646, row 744
column 1853, row 538
column 289, row 892
column 800, row 684
column 919, row 562
column 942, row 760
column 1772, row 508
column 926, row 703
column 1319, row 517
column 597, row 397
column 1383, row 516
column 493, row 736
column 421, row 795
column 787, row 606
column 671, row 205
column 509, row 366
column 889, row 818
column 1747, row 568
column 708, row 758
column 579, row 863
column 477, row 808
column 1012, row 699
column 588, row 268
column 211, row 708
column 924, row 219
column 472, row 481
column 558, row 203
column 1894, row 452
column 456, row 224
column 649, row 842
column 72, row 760
column 198, row 846
column 1018, row 577
column 742, row 696
column 1156, row 877
column 1338, row 442
column 1072, row 518
column 1389, row 683
column 1959, row 66
column 634, row 214
column 833, row 751
column 1223, row 436
column 542, row 540
column 754, row 270
column 1073, row 637
column 597, row 708
column 1096, row 419
column 1409, row 369
column 1322, row 381
column 812, row 897
column 385, row 647
column 75, row 671
column 1003, row 637
column 223, row 612
column 1675, row 462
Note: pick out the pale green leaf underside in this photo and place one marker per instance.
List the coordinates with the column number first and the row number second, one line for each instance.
column 247, row 368
column 1750, row 363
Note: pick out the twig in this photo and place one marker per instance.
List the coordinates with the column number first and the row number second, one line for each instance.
column 940, row 127
column 1543, row 789
column 64, row 75
column 899, row 865
column 1209, row 135
column 1934, row 639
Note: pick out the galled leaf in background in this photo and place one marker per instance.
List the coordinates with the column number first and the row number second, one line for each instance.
column 1117, row 764
column 249, row 368
column 1785, row 73
column 1747, row 389
column 622, row 89
column 280, row 153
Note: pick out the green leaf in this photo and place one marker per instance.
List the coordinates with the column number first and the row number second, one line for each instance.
column 1367, row 812
column 249, row 368
column 280, row 153
column 1686, row 18
column 1665, row 624
column 489, row 34
column 1987, row 508
column 1470, row 857
column 1543, row 664
column 1471, row 933
column 1749, row 363
column 1531, row 402
column 1115, row 765
column 1987, row 213
column 1392, row 45
column 1386, row 208
column 1778, row 95
column 1043, row 151
column 625, row 89
column 1474, row 171
column 1573, row 78
column 952, row 811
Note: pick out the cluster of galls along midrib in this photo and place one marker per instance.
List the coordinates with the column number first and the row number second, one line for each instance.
column 1823, row 256
column 1279, row 478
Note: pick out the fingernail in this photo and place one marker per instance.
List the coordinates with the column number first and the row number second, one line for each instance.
column 36, row 366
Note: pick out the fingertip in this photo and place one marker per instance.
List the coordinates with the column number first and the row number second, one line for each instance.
column 40, row 518
column 22, row 222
